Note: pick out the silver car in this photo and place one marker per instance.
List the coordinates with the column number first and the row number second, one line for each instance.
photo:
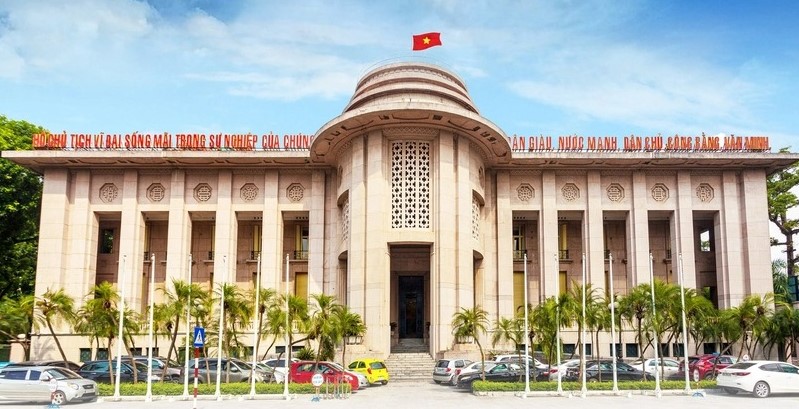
column 45, row 384
column 446, row 369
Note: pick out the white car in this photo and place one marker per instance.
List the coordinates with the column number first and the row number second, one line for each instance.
column 761, row 378
column 45, row 384
column 541, row 367
column 279, row 365
column 562, row 368
column 670, row 367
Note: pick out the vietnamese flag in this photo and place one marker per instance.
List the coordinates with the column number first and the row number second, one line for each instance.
column 426, row 40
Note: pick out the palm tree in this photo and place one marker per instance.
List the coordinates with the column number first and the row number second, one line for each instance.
column 634, row 307
column 472, row 322
column 322, row 327
column 265, row 299
column 509, row 330
column 17, row 319
column 174, row 309
column 349, row 324
column 545, row 320
column 56, row 306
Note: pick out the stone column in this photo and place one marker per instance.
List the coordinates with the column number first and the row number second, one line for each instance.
column 273, row 260
column 638, row 228
column 377, row 268
column 131, row 235
column 178, row 232
column 356, row 279
column 756, row 239
column 82, row 246
column 504, row 248
column 225, row 240
column 51, row 265
column 316, row 233
column 732, row 275
column 684, row 232
column 465, row 241
column 444, row 258
column 594, row 231
column 548, row 235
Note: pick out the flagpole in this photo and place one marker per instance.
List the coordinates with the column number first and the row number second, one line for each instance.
column 656, row 341
column 148, row 397
column 286, row 336
column 120, row 340
column 257, row 329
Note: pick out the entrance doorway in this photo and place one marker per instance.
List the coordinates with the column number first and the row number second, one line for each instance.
column 411, row 306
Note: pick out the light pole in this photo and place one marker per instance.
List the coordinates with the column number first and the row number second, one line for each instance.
column 188, row 336
column 257, row 329
column 121, row 283
column 584, row 389
column 148, row 397
column 218, row 392
column 656, row 342
column 557, row 321
column 526, row 335
column 613, row 324
column 684, row 324
column 286, row 336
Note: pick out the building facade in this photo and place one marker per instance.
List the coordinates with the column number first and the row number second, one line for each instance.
column 407, row 207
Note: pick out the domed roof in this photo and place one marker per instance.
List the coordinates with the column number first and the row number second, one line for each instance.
column 410, row 94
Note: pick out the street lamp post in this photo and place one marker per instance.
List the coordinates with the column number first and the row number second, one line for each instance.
column 286, row 336
column 121, row 284
column 188, row 336
column 218, row 393
column 613, row 325
column 557, row 322
column 684, row 324
column 584, row 389
column 656, row 341
column 148, row 397
column 526, row 335
column 257, row 326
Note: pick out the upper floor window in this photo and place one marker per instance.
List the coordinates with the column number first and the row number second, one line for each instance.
column 519, row 249
column 106, row 241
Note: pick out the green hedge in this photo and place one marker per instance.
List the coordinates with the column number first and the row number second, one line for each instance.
column 235, row 388
column 551, row 386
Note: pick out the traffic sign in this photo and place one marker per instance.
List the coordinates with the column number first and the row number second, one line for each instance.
column 317, row 379
column 199, row 337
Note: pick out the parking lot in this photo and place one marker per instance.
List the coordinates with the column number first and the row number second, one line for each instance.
column 427, row 394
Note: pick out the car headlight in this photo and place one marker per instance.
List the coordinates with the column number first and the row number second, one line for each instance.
column 73, row 385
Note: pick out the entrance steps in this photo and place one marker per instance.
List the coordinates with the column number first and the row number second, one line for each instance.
column 410, row 361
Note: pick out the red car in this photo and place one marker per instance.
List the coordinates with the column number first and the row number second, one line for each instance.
column 302, row 371
column 701, row 366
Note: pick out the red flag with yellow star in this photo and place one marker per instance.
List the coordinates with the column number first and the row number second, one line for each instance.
column 426, row 40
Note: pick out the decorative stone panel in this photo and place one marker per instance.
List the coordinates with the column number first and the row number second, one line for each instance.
column 475, row 218
column 345, row 219
column 660, row 192
column 202, row 192
column 109, row 192
column 295, row 192
column 704, row 192
column 525, row 192
column 156, row 192
column 410, row 184
column 615, row 192
column 249, row 192
column 570, row 192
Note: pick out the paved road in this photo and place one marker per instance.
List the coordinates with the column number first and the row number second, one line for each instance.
column 408, row 395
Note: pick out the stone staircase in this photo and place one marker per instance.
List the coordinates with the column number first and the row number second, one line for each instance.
column 410, row 361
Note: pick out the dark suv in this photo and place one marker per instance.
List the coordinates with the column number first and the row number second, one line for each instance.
column 98, row 371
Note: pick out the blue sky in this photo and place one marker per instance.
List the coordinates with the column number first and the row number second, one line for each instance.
column 592, row 68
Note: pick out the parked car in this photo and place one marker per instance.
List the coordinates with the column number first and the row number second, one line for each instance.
column 32, row 383
column 303, row 371
column 54, row 362
column 374, row 369
column 701, row 366
column 98, row 371
column 563, row 368
column 668, row 368
column 474, row 367
column 280, row 367
column 447, row 368
column 174, row 371
column 516, row 357
column 500, row 372
column 602, row 370
column 761, row 378
column 232, row 370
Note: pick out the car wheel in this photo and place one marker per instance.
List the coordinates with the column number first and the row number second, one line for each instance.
column 761, row 389
column 696, row 375
column 436, row 381
column 384, row 382
column 731, row 391
column 592, row 380
column 59, row 398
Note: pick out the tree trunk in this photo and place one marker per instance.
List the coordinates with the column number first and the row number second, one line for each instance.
column 55, row 339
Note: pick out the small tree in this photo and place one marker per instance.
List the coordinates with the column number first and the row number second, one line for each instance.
column 56, row 306
column 471, row 322
column 349, row 324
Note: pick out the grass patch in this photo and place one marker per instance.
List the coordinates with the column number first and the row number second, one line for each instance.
column 234, row 388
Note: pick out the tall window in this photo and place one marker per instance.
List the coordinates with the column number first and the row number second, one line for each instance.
column 410, row 184
column 705, row 241
column 255, row 249
column 301, row 242
column 147, row 233
column 518, row 291
column 563, row 242
column 519, row 249
column 301, row 285
column 106, row 241
column 563, row 282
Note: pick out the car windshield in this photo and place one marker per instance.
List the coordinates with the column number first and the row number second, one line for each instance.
column 62, row 373
column 241, row 364
column 377, row 365
column 741, row 365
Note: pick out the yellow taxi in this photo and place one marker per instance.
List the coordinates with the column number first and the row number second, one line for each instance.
column 374, row 370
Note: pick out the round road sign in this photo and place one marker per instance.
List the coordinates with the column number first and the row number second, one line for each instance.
column 317, row 379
